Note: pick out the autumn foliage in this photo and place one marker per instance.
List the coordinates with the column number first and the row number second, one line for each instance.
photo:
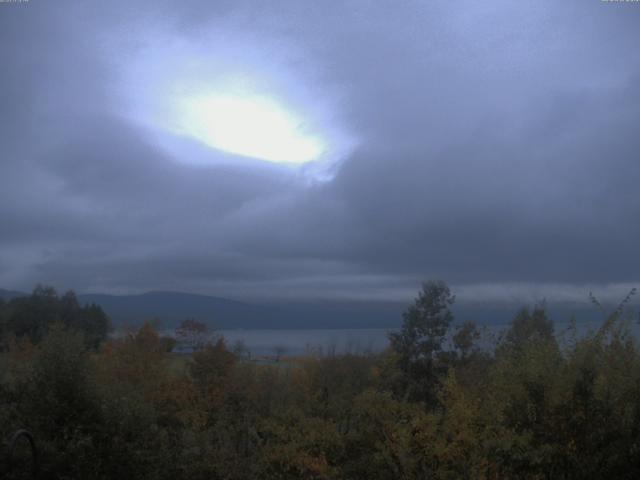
column 534, row 404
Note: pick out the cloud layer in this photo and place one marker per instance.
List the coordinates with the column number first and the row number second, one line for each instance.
column 491, row 145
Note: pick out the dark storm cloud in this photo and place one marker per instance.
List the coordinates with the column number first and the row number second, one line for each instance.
column 496, row 145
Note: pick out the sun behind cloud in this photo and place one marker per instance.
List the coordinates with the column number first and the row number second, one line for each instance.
column 253, row 126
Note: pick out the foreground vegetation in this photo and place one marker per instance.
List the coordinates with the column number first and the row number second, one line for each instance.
column 434, row 405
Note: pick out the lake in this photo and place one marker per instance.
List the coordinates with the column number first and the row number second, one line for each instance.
column 357, row 341
column 298, row 342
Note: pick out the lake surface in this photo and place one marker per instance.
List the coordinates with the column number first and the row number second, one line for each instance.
column 357, row 341
column 295, row 342
column 298, row 342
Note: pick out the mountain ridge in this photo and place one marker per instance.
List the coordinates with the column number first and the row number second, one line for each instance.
column 171, row 307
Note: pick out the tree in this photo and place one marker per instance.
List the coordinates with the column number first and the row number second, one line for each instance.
column 279, row 351
column 57, row 401
column 192, row 334
column 419, row 342
column 529, row 327
column 211, row 370
column 465, row 338
column 32, row 316
column 241, row 350
column 3, row 323
column 89, row 319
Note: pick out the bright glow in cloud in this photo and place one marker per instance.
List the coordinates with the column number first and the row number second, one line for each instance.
column 252, row 126
column 247, row 95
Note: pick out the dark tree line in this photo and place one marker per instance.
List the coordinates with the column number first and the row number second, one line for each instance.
column 31, row 317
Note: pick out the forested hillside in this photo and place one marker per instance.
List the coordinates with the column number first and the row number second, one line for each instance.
column 539, row 404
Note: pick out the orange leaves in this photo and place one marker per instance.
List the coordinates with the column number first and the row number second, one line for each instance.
column 134, row 365
column 298, row 446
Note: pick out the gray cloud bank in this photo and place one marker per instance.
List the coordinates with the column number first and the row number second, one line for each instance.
column 495, row 146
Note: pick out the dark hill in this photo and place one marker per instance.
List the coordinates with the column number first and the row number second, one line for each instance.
column 172, row 307
column 222, row 313
column 9, row 294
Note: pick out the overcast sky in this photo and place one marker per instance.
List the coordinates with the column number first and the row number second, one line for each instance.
column 492, row 144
